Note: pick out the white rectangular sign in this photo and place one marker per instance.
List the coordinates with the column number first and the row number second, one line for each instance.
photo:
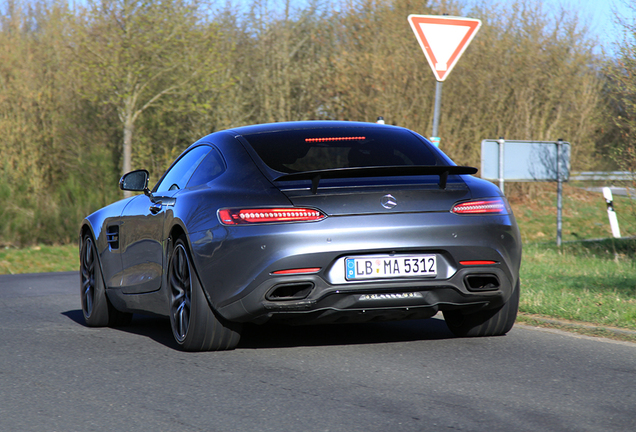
column 525, row 160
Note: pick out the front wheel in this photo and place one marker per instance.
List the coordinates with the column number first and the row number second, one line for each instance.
column 96, row 308
column 494, row 322
column 195, row 326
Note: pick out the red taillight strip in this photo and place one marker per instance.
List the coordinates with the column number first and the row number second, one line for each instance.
column 269, row 215
column 334, row 139
column 297, row 271
column 475, row 263
column 495, row 206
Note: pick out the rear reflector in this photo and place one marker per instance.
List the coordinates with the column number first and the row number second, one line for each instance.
column 491, row 206
column 269, row 215
column 297, row 271
column 477, row 263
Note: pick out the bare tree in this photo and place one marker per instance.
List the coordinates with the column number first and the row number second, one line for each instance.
column 133, row 54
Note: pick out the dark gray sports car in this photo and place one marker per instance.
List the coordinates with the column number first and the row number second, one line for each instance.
column 304, row 222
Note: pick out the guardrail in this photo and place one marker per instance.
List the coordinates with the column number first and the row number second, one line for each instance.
column 602, row 175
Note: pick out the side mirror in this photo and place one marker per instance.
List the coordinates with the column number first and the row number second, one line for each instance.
column 136, row 181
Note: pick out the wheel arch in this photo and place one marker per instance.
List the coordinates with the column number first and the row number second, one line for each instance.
column 87, row 229
column 178, row 231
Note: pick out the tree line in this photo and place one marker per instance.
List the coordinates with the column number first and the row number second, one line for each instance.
column 92, row 89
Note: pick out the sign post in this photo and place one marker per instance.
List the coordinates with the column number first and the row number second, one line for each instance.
column 559, row 146
column 436, row 112
column 532, row 161
column 501, row 142
column 443, row 40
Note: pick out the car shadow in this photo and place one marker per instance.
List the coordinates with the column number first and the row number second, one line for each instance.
column 275, row 335
column 286, row 336
column 152, row 327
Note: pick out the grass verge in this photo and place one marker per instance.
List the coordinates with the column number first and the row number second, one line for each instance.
column 39, row 259
column 587, row 281
column 581, row 328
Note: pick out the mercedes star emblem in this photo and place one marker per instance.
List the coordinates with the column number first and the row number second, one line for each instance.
column 388, row 201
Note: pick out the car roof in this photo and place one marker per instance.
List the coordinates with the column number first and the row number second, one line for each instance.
column 307, row 124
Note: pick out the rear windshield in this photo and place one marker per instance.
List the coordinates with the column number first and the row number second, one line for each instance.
column 328, row 148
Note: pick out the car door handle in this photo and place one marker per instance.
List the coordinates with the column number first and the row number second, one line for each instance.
column 159, row 202
column 155, row 208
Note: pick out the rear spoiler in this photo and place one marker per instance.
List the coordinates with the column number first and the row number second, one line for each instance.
column 378, row 171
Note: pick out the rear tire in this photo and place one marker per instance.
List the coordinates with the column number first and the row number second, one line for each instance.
column 494, row 322
column 96, row 308
column 195, row 326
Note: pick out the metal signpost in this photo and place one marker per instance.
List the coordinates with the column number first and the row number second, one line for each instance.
column 532, row 161
column 443, row 40
column 559, row 146
column 501, row 143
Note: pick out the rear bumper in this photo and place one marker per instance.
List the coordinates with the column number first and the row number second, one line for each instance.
column 369, row 301
column 236, row 266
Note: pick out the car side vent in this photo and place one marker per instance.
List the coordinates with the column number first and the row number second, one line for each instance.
column 112, row 236
column 291, row 291
column 481, row 282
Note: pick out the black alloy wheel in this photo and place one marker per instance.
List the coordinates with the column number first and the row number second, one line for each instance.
column 195, row 326
column 96, row 308
column 88, row 265
column 181, row 292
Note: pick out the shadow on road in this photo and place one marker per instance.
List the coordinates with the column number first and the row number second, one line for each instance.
column 275, row 335
column 155, row 328
column 75, row 315
column 284, row 336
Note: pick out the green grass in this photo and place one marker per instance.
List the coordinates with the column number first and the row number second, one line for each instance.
column 593, row 282
column 39, row 259
column 584, row 281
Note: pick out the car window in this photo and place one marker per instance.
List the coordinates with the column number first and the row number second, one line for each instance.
column 210, row 168
column 178, row 175
column 310, row 149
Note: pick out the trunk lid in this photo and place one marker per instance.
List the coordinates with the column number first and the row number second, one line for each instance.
column 336, row 197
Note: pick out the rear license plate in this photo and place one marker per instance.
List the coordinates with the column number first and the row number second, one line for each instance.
column 391, row 267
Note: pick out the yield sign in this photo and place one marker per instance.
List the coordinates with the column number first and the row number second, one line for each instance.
column 443, row 39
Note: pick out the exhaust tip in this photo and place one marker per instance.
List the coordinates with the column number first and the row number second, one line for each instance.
column 481, row 282
column 290, row 291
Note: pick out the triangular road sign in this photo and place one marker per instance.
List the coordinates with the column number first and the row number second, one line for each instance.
column 443, row 39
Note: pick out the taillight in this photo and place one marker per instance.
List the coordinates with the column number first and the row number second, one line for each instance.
column 477, row 207
column 269, row 215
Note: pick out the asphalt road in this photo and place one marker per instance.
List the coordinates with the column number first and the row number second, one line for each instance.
column 58, row 375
